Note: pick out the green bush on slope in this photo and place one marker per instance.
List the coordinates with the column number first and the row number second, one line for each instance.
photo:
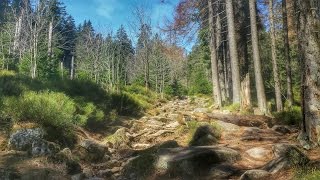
column 45, row 108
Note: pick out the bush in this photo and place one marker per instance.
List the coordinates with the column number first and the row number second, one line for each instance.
column 233, row 107
column 175, row 89
column 127, row 104
column 291, row 116
column 46, row 108
column 88, row 114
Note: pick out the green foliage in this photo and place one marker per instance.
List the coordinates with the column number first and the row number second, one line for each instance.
column 233, row 107
column 200, row 84
column 45, row 108
column 291, row 116
column 88, row 114
column 307, row 174
column 175, row 89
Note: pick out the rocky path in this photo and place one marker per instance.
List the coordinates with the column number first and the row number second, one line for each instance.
column 252, row 142
column 179, row 139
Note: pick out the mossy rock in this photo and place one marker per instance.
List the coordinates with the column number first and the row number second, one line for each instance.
column 140, row 167
column 119, row 138
column 205, row 135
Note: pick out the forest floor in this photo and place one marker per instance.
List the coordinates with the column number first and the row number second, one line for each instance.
column 171, row 125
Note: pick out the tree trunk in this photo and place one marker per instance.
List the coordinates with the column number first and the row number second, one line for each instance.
column 17, row 34
column 214, row 61
column 309, row 42
column 274, row 59
column 233, row 53
column 246, row 93
column 287, row 53
column 72, row 68
column 50, row 40
column 261, row 96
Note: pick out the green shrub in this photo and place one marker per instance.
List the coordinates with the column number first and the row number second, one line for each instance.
column 127, row 104
column 88, row 114
column 46, row 108
column 175, row 89
column 233, row 107
column 291, row 116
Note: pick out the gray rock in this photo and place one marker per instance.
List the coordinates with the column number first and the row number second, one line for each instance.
column 258, row 152
column 221, row 171
column 79, row 176
column 105, row 173
column 286, row 156
column 92, row 151
column 229, row 127
column 204, row 136
column 255, row 174
column 22, row 139
column 31, row 140
column 87, row 172
column 173, row 125
column 119, row 138
column 281, row 129
column 191, row 160
column 8, row 174
column 201, row 110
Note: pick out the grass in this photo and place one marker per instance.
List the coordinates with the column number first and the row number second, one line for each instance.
column 307, row 174
column 59, row 104
column 232, row 107
column 292, row 116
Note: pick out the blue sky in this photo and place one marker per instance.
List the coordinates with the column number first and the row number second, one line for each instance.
column 107, row 15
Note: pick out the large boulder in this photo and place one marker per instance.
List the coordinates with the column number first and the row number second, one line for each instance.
column 92, row 151
column 143, row 164
column 205, row 135
column 222, row 171
column 32, row 140
column 120, row 139
column 286, row 156
column 193, row 160
column 258, row 152
column 255, row 174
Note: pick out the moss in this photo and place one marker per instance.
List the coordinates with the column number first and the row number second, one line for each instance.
column 118, row 138
column 307, row 173
column 291, row 116
column 192, row 126
column 141, row 167
column 233, row 107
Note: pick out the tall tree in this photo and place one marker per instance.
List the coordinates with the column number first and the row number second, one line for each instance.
column 287, row 52
column 233, row 53
column 309, row 42
column 274, row 58
column 214, row 61
column 261, row 96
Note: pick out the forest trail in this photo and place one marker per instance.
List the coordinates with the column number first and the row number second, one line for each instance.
column 253, row 137
column 157, row 146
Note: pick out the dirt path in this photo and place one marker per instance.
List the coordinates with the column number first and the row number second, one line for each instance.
column 137, row 146
column 252, row 136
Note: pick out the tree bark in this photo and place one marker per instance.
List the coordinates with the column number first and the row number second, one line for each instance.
column 309, row 43
column 214, row 62
column 72, row 68
column 233, row 53
column 277, row 86
column 50, row 40
column 287, row 53
column 261, row 96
